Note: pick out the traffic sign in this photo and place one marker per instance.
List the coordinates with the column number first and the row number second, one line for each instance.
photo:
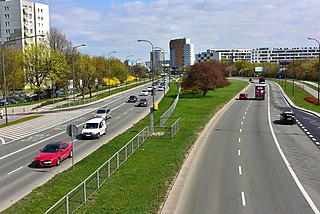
column 72, row 130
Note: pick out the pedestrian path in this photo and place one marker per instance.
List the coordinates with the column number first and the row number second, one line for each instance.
column 30, row 127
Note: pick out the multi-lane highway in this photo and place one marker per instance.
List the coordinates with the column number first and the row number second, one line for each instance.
column 250, row 163
column 21, row 142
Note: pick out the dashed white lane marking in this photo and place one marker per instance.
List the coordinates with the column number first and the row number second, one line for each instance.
column 305, row 130
column 239, row 139
column 243, row 198
column 313, row 139
column 125, row 113
column 241, row 123
column 117, row 118
column 245, row 113
column 247, row 109
column 311, row 136
column 308, row 132
column 239, row 152
column 243, row 117
column 15, row 170
column 240, row 130
column 317, row 143
column 240, row 170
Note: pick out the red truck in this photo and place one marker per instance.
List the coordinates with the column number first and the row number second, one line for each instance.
column 260, row 91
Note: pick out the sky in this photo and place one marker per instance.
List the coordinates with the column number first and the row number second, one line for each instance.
column 116, row 25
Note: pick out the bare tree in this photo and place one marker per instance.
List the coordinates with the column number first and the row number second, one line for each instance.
column 59, row 42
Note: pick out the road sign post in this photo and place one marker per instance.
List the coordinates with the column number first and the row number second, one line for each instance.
column 72, row 131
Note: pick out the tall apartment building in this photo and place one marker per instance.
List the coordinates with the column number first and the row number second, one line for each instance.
column 224, row 55
column 158, row 58
column 278, row 55
column 20, row 19
column 181, row 52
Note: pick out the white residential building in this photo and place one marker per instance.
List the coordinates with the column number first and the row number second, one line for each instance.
column 278, row 55
column 20, row 19
column 224, row 55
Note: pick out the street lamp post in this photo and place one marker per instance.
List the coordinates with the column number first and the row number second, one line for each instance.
column 127, row 65
column 4, row 72
column 112, row 52
column 151, row 67
column 73, row 49
column 137, row 73
column 318, row 67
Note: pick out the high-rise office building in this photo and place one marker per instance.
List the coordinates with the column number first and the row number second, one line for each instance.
column 21, row 19
column 181, row 52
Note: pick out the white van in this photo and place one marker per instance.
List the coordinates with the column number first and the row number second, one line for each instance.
column 94, row 128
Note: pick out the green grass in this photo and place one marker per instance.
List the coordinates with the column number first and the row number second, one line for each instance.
column 298, row 96
column 19, row 121
column 140, row 185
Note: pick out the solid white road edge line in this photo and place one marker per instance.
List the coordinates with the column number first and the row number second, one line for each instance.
column 294, row 176
column 15, row 170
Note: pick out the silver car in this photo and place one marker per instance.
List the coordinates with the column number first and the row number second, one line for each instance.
column 104, row 113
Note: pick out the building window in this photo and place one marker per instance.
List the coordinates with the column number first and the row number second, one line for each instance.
column 6, row 16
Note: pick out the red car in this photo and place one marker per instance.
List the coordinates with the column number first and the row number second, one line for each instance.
column 243, row 96
column 52, row 154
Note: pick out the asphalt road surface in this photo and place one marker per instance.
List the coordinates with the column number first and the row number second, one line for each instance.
column 20, row 143
column 250, row 163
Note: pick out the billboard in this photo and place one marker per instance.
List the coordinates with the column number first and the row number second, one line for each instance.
column 258, row 69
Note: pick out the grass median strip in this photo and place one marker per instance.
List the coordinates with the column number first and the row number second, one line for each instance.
column 140, row 185
column 298, row 96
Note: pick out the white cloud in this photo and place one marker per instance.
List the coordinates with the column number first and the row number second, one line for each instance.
column 116, row 25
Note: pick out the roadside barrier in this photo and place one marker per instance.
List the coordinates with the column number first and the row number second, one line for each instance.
column 74, row 199
column 167, row 114
column 175, row 128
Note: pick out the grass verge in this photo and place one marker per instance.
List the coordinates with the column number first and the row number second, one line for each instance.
column 140, row 185
column 297, row 95
column 19, row 121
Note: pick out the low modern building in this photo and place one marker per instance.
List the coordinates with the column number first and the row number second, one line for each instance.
column 224, row 55
column 259, row 55
column 181, row 53
column 21, row 19
column 278, row 55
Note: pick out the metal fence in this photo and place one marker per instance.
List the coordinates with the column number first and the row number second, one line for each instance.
column 167, row 114
column 175, row 128
column 79, row 195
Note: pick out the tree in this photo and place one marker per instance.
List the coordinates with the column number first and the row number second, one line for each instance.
column 86, row 73
column 59, row 42
column 14, row 74
column 205, row 76
column 37, row 66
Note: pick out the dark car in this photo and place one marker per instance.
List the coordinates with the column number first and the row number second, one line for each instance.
column 287, row 117
column 132, row 99
column 143, row 103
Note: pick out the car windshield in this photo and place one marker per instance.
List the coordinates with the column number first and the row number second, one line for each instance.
column 101, row 111
column 91, row 126
column 143, row 100
column 132, row 97
column 50, row 148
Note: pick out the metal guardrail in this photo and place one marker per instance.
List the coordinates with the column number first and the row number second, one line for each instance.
column 167, row 114
column 175, row 128
column 73, row 200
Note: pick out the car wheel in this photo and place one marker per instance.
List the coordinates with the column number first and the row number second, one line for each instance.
column 71, row 154
column 98, row 135
column 58, row 162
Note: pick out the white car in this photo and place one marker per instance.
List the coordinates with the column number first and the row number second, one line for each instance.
column 160, row 88
column 94, row 128
column 149, row 88
column 144, row 92
column 104, row 113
